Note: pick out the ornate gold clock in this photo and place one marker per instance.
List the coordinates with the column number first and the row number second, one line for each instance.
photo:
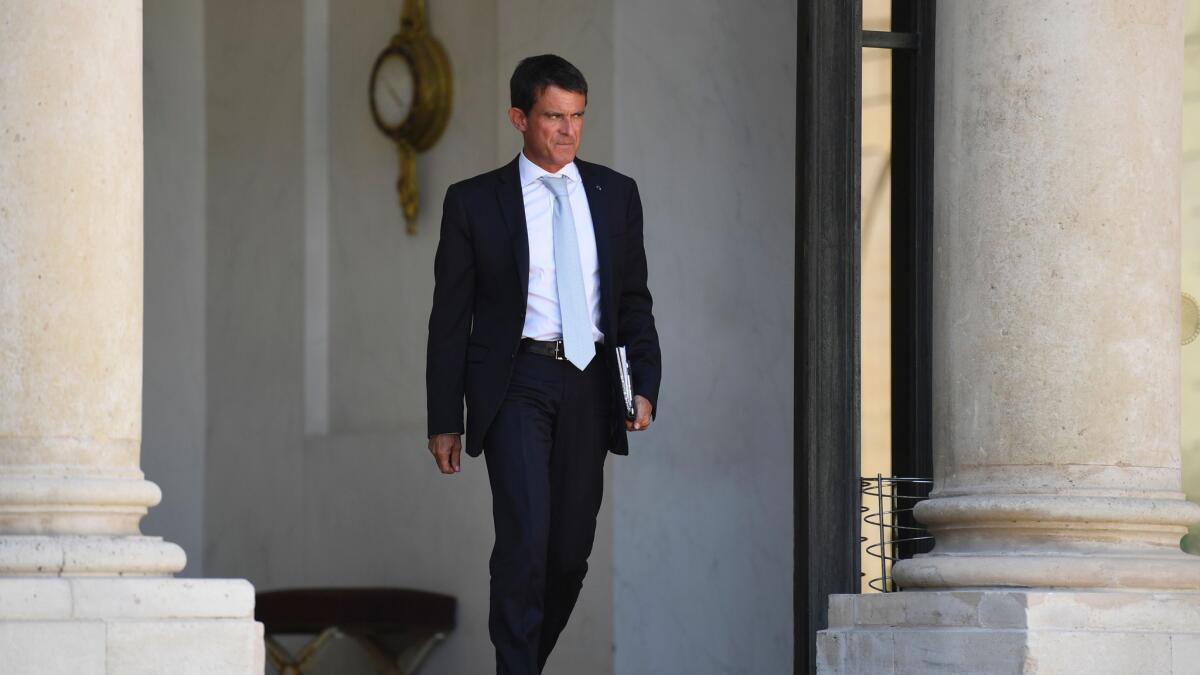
column 411, row 93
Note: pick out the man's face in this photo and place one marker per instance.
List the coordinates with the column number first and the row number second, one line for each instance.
column 553, row 127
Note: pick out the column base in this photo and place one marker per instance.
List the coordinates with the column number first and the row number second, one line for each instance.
column 135, row 555
column 131, row 626
column 1169, row 571
column 1055, row 541
column 1011, row 631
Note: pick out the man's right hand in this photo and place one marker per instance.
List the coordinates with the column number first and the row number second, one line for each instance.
column 445, row 449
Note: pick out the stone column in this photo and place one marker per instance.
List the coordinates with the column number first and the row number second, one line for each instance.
column 1057, row 510
column 81, row 590
column 1056, row 299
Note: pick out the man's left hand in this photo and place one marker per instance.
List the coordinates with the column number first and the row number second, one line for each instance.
column 644, row 408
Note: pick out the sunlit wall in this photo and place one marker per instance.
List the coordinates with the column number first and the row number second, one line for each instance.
column 1190, row 373
column 876, row 251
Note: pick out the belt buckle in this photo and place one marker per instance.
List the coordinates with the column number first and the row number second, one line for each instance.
column 558, row 350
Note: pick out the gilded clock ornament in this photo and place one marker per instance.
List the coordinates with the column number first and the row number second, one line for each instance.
column 411, row 93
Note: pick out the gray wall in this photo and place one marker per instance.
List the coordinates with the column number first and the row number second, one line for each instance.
column 705, row 121
column 291, row 329
column 173, row 406
column 254, row 490
column 348, row 495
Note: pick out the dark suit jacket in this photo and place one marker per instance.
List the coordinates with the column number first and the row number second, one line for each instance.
column 481, row 275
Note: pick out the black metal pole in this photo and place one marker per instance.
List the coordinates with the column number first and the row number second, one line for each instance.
column 912, row 227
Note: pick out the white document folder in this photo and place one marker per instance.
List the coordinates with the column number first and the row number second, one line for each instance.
column 626, row 383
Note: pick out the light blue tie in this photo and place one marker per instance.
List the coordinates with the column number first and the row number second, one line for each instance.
column 572, row 301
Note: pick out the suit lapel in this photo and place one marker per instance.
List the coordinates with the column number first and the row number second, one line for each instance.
column 598, row 204
column 512, row 208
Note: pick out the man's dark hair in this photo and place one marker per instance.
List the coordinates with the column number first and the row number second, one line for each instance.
column 534, row 73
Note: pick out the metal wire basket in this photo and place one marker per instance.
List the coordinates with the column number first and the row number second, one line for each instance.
column 887, row 507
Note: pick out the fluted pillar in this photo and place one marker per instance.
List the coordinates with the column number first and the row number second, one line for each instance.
column 1057, row 508
column 1056, row 299
column 81, row 590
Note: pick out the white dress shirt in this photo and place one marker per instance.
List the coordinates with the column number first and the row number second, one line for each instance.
column 542, row 318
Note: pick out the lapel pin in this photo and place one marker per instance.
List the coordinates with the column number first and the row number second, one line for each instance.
column 597, row 187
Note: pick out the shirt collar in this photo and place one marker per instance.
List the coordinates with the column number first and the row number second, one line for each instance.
column 531, row 172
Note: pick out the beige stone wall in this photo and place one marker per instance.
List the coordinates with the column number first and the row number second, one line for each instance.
column 1190, row 366
column 876, row 410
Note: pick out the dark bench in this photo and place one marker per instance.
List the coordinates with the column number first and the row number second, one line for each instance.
column 397, row 626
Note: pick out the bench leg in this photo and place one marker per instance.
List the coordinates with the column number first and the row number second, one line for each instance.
column 285, row 663
column 392, row 664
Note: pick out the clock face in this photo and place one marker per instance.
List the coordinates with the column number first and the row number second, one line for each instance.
column 394, row 90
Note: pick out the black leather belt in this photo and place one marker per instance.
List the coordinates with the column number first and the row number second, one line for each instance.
column 552, row 348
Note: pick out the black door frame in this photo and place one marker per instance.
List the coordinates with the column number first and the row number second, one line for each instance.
column 828, row 140
column 829, row 43
column 912, row 232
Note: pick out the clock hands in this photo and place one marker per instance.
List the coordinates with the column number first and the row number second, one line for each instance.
column 396, row 96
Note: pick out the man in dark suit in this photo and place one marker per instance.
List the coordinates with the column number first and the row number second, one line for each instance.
column 540, row 274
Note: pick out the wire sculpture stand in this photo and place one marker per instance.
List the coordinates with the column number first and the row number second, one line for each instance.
column 900, row 536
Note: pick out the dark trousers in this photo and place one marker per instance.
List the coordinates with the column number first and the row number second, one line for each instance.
column 545, row 459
